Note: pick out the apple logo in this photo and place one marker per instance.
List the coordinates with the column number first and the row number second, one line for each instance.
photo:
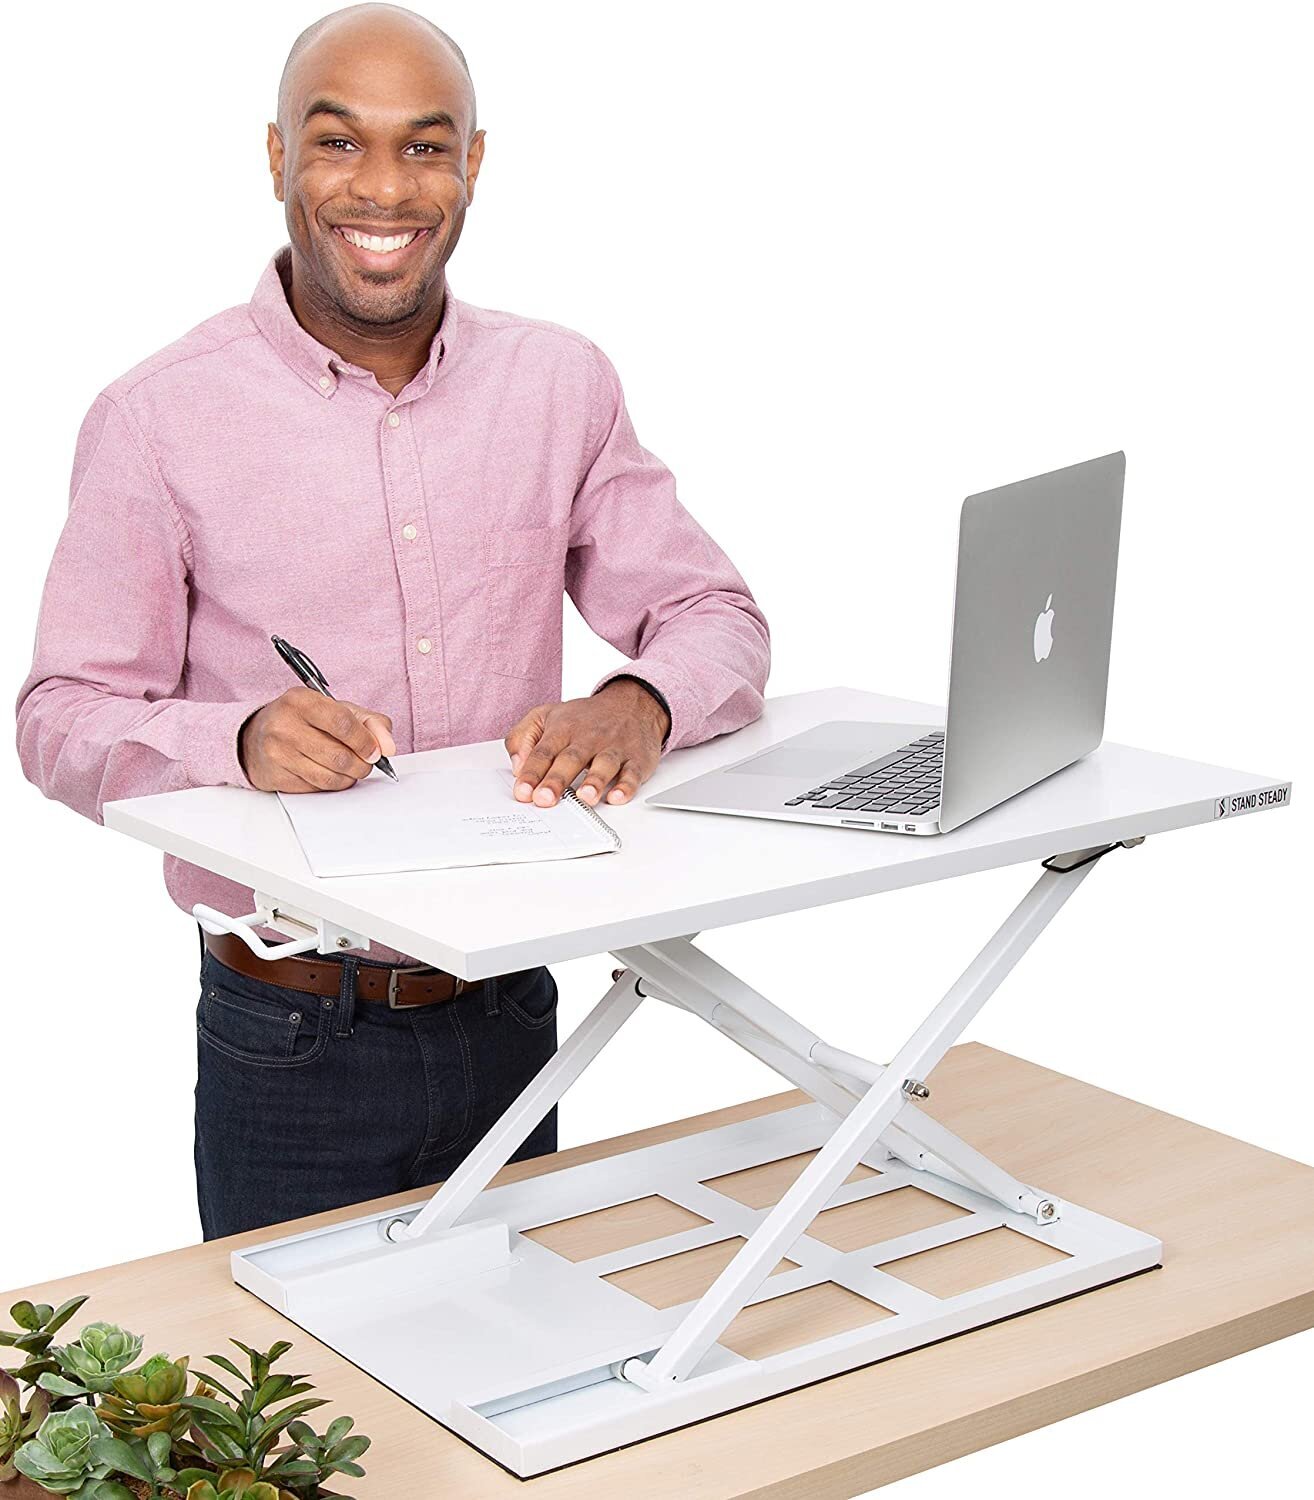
column 1042, row 641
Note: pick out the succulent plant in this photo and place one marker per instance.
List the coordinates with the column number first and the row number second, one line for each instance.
column 242, row 1435
column 334, row 1453
column 149, row 1462
column 101, row 1353
column 17, row 1424
column 96, row 1429
column 102, row 1350
column 38, row 1323
column 236, row 1484
column 148, row 1400
column 61, row 1457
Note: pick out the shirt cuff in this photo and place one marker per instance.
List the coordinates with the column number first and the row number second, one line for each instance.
column 213, row 759
column 665, row 683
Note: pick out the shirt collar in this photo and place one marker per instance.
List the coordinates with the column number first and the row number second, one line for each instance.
column 316, row 364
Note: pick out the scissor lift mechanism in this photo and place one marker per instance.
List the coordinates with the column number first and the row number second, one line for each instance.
column 539, row 1361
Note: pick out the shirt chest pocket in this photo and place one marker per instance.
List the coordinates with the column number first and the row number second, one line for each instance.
column 524, row 576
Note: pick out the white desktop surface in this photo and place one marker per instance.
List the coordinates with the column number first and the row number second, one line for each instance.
column 679, row 872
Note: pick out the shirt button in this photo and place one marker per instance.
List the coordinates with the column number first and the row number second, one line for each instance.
column 409, row 532
column 324, row 382
column 424, row 645
column 393, row 419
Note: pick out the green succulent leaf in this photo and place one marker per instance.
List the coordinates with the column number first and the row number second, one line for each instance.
column 337, row 1430
column 25, row 1315
column 188, row 1477
column 63, row 1313
column 215, row 1443
column 207, row 1406
column 225, row 1363
column 271, row 1389
column 294, row 1468
column 57, row 1385
column 29, row 1343
column 280, row 1420
column 114, row 1453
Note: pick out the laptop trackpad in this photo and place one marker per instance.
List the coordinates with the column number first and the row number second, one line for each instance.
column 801, row 765
column 828, row 750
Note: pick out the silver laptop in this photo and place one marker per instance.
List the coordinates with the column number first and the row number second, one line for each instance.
column 1033, row 618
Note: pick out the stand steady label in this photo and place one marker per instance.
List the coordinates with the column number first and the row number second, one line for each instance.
column 1248, row 802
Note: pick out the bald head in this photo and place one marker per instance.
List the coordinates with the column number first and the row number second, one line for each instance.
column 374, row 155
column 368, row 26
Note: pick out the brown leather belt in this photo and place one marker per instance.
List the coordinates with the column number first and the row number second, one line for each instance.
column 399, row 989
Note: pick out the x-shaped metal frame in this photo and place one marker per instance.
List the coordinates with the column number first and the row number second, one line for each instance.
column 875, row 1107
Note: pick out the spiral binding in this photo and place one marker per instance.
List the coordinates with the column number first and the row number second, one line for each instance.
column 592, row 812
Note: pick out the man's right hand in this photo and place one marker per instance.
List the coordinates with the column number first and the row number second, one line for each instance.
column 304, row 742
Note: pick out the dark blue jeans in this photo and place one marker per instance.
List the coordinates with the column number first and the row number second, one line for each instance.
column 306, row 1103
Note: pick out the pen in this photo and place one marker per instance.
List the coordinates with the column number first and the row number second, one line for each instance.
column 314, row 679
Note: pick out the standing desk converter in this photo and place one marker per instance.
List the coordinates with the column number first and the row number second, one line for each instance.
column 471, row 1305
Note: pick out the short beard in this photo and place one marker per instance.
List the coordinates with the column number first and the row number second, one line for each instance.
column 402, row 308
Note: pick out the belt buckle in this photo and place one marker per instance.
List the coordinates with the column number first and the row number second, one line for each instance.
column 393, row 1002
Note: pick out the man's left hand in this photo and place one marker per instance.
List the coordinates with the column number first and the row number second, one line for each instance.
column 615, row 736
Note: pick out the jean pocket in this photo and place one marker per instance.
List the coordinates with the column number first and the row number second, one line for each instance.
column 264, row 1033
column 529, row 997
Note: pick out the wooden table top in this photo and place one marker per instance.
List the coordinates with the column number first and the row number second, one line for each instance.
column 1236, row 1222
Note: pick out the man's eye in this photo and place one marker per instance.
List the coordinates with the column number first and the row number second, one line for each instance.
column 337, row 143
column 427, row 148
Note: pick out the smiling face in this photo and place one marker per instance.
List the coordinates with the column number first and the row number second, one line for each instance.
column 375, row 157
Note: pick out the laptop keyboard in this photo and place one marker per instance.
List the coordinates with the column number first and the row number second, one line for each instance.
column 907, row 782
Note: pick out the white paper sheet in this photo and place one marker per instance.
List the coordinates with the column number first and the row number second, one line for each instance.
column 436, row 820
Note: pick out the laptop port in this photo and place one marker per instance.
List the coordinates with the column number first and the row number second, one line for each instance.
column 889, row 827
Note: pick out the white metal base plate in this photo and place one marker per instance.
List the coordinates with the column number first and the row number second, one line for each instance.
column 516, row 1347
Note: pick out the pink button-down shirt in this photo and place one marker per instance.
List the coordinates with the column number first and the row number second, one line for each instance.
column 245, row 481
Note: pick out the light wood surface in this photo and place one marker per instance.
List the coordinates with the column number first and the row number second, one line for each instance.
column 686, row 1276
column 678, row 872
column 617, row 1228
column 761, row 1187
column 1237, row 1224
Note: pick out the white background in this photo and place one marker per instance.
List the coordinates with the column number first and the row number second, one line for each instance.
column 852, row 262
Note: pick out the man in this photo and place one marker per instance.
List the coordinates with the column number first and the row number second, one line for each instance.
column 402, row 485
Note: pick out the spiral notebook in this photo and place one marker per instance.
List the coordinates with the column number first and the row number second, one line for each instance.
column 438, row 820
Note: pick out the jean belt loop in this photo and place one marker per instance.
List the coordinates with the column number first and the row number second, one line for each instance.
column 492, row 996
column 347, row 995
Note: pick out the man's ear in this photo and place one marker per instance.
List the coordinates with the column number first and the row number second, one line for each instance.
column 275, row 144
column 474, row 159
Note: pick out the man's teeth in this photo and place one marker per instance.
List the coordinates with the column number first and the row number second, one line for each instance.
column 381, row 244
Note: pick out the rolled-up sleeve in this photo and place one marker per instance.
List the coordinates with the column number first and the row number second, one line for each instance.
column 98, row 716
column 647, row 578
